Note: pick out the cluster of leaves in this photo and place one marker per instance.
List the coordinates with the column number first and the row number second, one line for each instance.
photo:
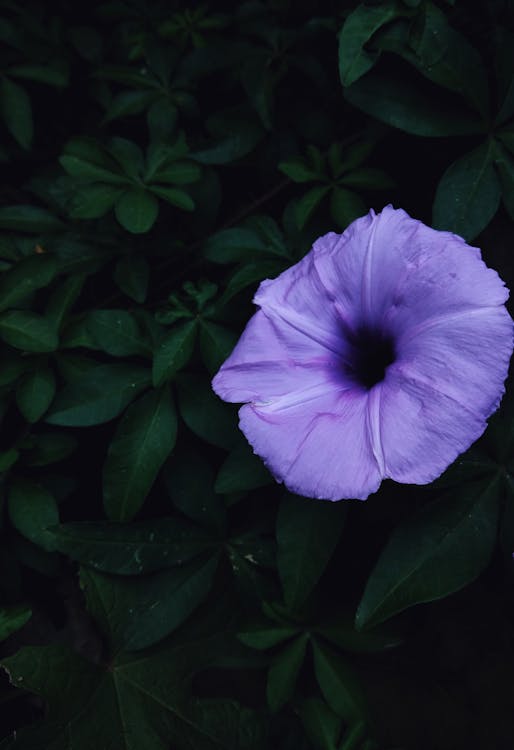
column 481, row 103
column 157, row 587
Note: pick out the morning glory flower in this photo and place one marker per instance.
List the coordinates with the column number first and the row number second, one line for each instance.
column 381, row 354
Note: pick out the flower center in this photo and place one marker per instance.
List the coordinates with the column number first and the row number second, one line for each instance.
column 372, row 351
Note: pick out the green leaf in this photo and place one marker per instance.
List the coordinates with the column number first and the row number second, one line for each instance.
column 504, row 64
column 35, row 392
column 189, row 480
column 205, row 414
column 173, row 352
column 273, row 238
column 8, row 459
column 237, row 136
column 368, row 178
column 87, row 171
column 76, row 334
column 216, row 343
column 63, row 299
column 248, row 275
column 447, row 58
column 161, row 155
column 25, row 277
column 507, row 138
column 345, row 206
column 87, row 160
column 162, row 119
column 16, row 112
column 98, row 395
column 340, row 630
column 128, row 155
column 298, row 170
column 355, row 736
column 12, row 619
column 132, row 274
column 359, row 27
column 144, row 438
column 468, row 194
column 283, row 672
column 338, row 684
column 505, row 166
column 72, row 367
column 439, row 550
column 54, row 73
column 176, row 197
column 256, row 548
column 266, row 638
column 139, row 612
column 233, row 725
column 28, row 331
column 232, row 245
column 128, row 103
column 406, row 105
column 242, row 471
column 131, row 549
column 93, row 201
column 259, row 81
column 322, row 725
column 307, row 535
column 49, row 448
column 32, row 220
column 180, row 172
column 137, row 211
column 12, row 366
column 117, row 332
column 32, row 510
column 36, row 558
column 356, row 154
column 253, row 584
column 308, row 203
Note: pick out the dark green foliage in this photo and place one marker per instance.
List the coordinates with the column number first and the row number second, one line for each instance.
column 434, row 554
column 159, row 161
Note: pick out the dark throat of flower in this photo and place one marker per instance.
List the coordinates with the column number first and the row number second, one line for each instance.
column 372, row 351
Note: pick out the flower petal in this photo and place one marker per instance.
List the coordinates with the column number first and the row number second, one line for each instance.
column 319, row 448
column 297, row 299
column 339, row 262
column 462, row 355
column 272, row 359
column 423, row 430
column 394, row 270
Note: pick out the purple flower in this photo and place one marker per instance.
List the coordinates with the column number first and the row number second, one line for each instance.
column 381, row 354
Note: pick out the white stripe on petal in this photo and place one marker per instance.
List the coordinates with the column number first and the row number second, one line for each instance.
column 366, row 301
column 297, row 398
column 373, row 419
